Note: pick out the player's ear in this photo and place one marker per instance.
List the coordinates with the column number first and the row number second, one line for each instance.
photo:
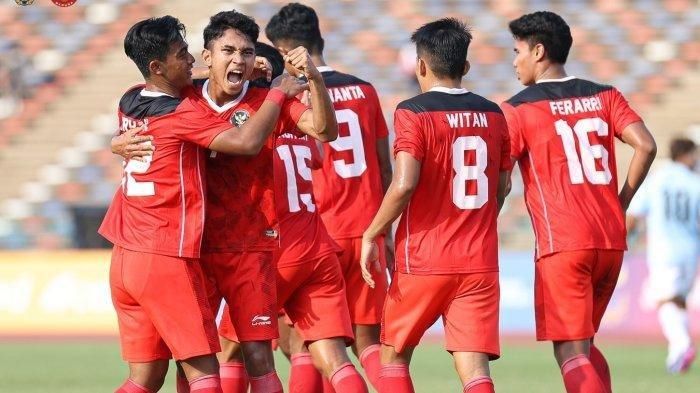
column 539, row 52
column 421, row 68
column 206, row 57
column 467, row 66
column 155, row 67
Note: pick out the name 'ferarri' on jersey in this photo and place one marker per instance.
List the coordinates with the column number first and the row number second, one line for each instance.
column 348, row 187
column 160, row 205
column 461, row 140
column 562, row 135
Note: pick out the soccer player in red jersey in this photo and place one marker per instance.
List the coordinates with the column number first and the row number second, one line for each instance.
column 355, row 173
column 241, row 229
column 310, row 284
column 449, row 181
column 562, row 133
column 156, row 219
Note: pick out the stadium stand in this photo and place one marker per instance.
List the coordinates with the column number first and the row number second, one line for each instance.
column 73, row 69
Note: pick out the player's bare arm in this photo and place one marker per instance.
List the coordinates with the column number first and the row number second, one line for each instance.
column 504, row 186
column 132, row 146
column 250, row 137
column 638, row 136
column 403, row 184
column 318, row 122
column 384, row 159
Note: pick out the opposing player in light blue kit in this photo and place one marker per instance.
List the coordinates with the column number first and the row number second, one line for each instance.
column 670, row 202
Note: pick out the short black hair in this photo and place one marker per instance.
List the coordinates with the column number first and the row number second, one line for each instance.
column 274, row 57
column 444, row 44
column 681, row 146
column 224, row 20
column 297, row 23
column 546, row 28
column 150, row 39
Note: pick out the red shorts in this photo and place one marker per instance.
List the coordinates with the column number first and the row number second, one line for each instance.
column 161, row 306
column 246, row 281
column 572, row 291
column 468, row 304
column 314, row 299
column 365, row 303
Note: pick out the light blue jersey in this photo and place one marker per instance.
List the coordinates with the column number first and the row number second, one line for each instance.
column 670, row 201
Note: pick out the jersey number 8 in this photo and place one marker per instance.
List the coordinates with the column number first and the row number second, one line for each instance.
column 464, row 173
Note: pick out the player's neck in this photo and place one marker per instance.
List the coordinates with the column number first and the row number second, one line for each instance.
column 318, row 60
column 218, row 95
column 551, row 71
column 446, row 83
column 162, row 87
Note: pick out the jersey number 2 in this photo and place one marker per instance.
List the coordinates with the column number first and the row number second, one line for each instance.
column 137, row 188
column 589, row 153
column 464, row 173
column 301, row 153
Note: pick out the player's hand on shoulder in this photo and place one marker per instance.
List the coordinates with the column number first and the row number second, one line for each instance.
column 133, row 146
column 289, row 85
column 300, row 60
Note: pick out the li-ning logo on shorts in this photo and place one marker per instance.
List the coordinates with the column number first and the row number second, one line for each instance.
column 240, row 117
column 271, row 233
column 261, row 320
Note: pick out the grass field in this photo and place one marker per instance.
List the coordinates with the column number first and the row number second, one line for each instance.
column 83, row 366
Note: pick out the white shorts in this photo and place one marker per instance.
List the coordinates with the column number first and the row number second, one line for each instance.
column 671, row 280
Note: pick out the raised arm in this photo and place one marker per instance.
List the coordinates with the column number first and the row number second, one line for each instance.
column 318, row 122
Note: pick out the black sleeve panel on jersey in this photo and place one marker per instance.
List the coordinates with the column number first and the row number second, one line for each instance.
column 336, row 79
column 548, row 91
column 136, row 106
column 433, row 101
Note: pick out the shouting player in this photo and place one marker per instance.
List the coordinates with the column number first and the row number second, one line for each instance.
column 155, row 220
column 355, row 173
column 310, row 284
column 670, row 201
column 241, row 230
column 450, row 178
column 562, row 133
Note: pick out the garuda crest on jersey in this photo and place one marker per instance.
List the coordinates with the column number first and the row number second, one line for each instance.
column 24, row 2
column 240, row 117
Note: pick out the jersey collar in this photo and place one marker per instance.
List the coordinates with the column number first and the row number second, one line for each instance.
column 226, row 106
column 325, row 69
column 148, row 93
column 568, row 78
column 448, row 90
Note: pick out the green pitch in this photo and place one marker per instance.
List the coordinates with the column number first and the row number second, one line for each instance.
column 82, row 367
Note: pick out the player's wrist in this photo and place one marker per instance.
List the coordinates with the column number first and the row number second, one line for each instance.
column 277, row 96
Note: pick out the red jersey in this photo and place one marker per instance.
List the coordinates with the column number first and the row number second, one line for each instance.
column 240, row 201
column 348, row 188
column 303, row 237
column 160, row 206
column 461, row 140
column 561, row 134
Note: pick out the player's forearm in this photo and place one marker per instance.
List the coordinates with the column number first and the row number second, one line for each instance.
column 394, row 203
column 251, row 136
column 504, row 186
column 639, row 167
column 324, row 122
column 384, row 163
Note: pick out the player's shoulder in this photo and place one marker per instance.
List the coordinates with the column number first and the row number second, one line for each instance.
column 138, row 103
column 335, row 78
column 434, row 101
column 558, row 90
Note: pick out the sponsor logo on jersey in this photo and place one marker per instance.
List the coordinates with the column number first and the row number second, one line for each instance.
column 261, row 320
column 24, row 2
column 64, row 3
column 240, row 117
